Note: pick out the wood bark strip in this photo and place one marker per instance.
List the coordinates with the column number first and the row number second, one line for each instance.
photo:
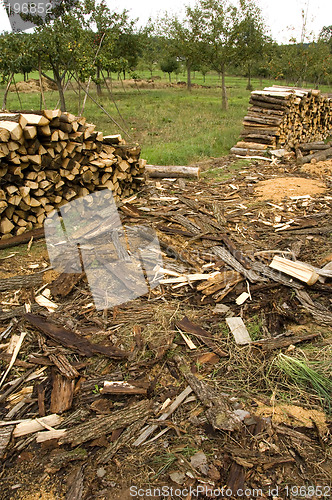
column 100, row 426
column 219, row 410
column 280, row 343
column 225, row 256
column 123, row 440
column 62, row 393
column 205, row 336
column 25, row 281
column 5, row 436
column 72, row 340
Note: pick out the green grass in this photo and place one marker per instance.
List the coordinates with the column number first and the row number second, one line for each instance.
column 305, row 374
column 173, row 126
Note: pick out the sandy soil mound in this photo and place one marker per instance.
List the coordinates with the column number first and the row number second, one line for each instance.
column 319, row 169
column 282, row 187
column 32, row 85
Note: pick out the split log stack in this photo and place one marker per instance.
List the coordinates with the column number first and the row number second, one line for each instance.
column 284, row 117
column 48, row 158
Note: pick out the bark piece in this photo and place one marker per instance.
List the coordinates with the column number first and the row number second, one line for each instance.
column 75, row 491
column 99, row 426
column 62, row 393
column 5, row 436
column 71, row 340
column 279, row 343
column 205, row 336
column 63, row 284
column 219, row 410
column 123, row 440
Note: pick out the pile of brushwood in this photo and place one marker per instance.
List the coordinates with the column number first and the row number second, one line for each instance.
column 218, row 380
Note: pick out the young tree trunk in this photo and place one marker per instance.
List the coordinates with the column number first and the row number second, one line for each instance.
column 4, row 102
column 169, row 77
column 99, row 91
column 58, row 82
column 188, row 76
column 224, row 101
column 249, row 86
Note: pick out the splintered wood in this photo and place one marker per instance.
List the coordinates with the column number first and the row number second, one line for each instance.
column 284, row 117
column 51, row 157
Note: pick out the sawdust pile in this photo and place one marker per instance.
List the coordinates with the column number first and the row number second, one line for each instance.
column 320, row 169
column 282, row 187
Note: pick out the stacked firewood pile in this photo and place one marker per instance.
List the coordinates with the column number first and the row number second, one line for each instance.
column 284, row 117
column 48, row 158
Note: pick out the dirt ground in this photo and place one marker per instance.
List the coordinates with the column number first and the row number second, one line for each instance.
column 283, row 442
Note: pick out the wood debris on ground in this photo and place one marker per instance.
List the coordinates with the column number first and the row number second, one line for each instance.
column 178, row 386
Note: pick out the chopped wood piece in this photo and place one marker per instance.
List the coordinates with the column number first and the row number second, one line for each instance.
column 34, row 425
column 99, row 426
column 14, row 356
column 128, row 387
column 70, row 339
column 205, row 336
column 299, row 270
column 238, row 330
column 43, row 436
column 45, row 302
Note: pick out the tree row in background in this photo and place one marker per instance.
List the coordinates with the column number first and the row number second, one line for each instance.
column 86, row 42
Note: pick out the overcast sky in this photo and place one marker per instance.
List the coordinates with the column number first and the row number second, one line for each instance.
column 283, row 17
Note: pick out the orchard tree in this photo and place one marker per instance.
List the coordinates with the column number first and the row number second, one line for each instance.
column 184, row 38
column 59, row 43
column 16, row 56
column 169, row 65
column 250, row 37
column 219, row 21
column 151, row 48
column 326, row 36
column 106, row 29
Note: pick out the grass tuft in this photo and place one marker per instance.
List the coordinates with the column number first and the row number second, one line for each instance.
column 304, row 375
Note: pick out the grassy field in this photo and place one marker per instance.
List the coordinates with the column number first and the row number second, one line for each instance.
column 173, row 126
